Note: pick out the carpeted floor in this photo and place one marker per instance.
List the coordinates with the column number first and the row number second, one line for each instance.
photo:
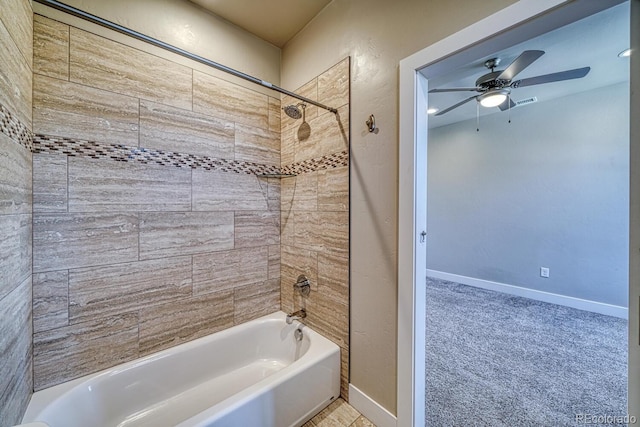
column 499, row 360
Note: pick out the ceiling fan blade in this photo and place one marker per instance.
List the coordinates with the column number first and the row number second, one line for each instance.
column 455, row 89
column 577, row 73
column 525, row 59
column 446, row 110
column 508, row 103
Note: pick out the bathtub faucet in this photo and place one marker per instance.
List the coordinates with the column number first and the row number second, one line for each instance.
column 298, row 315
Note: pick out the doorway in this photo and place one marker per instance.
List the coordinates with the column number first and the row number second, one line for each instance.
column 487, row 36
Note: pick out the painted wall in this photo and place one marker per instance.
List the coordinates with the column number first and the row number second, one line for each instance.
column 315, row 209
column 376, row 34
column 151, row 224
column 16, row 40
column 549, row 189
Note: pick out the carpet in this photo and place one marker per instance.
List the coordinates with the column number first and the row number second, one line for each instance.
column 493, row 359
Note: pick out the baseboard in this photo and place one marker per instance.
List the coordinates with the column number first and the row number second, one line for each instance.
column 370, row 408
column 580, row 304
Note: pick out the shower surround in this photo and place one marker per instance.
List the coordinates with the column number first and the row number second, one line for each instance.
column 151, row 223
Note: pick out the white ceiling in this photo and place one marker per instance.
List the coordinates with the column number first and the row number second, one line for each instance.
column 275, row 21
column 594, row 41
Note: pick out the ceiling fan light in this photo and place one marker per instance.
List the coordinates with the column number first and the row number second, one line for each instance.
column 625, row 53
column 493, row 98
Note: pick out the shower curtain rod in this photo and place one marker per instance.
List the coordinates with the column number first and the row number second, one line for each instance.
column 129, row 32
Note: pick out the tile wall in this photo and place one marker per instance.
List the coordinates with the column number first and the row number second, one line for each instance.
column 315, row 209
column 16, row 38
column 151, row 226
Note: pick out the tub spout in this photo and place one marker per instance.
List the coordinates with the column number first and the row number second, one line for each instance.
column 298, row 315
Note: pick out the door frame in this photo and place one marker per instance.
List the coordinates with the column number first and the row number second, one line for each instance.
column 521, row 21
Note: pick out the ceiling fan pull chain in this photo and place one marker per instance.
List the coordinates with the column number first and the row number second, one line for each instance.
column 477, row 117
column 509, row 101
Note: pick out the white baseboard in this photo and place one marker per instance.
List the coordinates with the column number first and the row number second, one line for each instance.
column 370, row 408
column 580, row 304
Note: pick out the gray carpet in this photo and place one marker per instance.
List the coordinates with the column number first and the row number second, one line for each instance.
column 499, row 360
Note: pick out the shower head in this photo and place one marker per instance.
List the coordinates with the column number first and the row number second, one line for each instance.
column 293, row 111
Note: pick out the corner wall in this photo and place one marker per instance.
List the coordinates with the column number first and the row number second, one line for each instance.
column 16, row 40
column 152, row 226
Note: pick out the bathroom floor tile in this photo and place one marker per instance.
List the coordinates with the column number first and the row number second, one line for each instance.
column 339, row 414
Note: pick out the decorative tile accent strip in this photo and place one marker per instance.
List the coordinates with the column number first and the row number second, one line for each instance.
column 15, row 129
column 329, row 161
column 122, row 153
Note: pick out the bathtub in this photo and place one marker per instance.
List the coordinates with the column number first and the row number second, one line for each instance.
column 254, row 374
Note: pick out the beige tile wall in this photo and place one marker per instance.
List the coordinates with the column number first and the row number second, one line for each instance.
column 130, row 258
column 315, row 211
column 16, row 40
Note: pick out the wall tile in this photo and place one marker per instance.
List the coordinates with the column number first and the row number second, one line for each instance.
column 288, row 146
column 99, row 292
column 300, row 193
column 15, row 352
column 273, row 194
column 171, row 324
column 259, row 228
column 77, row 111
column 256, row 300
column 329, row 134
column 296, row 261
column 72, row 351
column 62, row 241
column 287, row 228
column 17, row 17
column 15, row 251
column 333, row 189
column 50, row 48
column 101, row 63
column 229, row 101
column 274, row 114
column 15, row 75
column 329, row 318
column 257, row 145
column 173, row 129
column 274, row 262
column 96, row 185
column 174, row 234
column 220, row 271
column 15, row 177
column 224, row 191
column 333, row 278
column 322, row 231
column 50, row 300
column 49, row 183
column 333, row 85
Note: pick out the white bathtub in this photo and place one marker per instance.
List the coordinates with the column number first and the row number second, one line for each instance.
column 254, row 374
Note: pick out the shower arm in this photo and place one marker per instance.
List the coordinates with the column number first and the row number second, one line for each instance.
column 136, row 35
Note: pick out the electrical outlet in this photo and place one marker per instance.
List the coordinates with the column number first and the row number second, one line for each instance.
column 544, row 272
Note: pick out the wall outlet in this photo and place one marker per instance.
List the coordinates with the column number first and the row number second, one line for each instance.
column 544, row 272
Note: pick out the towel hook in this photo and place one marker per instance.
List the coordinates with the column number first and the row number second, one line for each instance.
column 371, row 123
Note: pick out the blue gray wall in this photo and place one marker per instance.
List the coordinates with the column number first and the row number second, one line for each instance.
column 549, row 189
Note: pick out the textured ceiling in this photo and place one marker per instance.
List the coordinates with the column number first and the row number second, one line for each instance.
column 594, row 41
column 275, row 21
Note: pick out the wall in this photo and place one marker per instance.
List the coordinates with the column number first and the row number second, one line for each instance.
column 550, row 189
column 315, row 209
column 376, row 34
column 151, row 226
column 16, row 39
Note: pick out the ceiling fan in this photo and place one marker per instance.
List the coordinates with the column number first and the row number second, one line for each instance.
column 494, row 88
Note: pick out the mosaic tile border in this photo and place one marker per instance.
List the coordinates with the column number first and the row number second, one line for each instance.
column 329, row 161
column 15, row 129
column 122, row 153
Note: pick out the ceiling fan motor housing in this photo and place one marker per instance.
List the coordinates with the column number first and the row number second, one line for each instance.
column 489, row 81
